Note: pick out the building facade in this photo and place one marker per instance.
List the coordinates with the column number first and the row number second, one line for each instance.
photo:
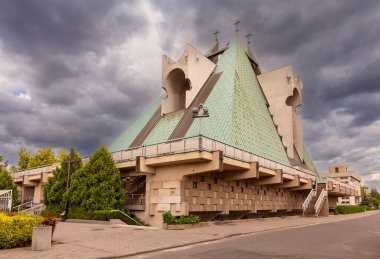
column 246, row 158
column 344, row 175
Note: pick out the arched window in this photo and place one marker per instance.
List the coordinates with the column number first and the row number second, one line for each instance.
column 176, row 85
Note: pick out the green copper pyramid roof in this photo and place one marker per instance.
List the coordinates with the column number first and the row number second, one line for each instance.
column 239, row 115
column 126, row 138
column 165, row 126
column 308, row 161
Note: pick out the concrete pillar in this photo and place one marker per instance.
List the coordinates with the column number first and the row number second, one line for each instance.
column 41, row 238
column 37, row 197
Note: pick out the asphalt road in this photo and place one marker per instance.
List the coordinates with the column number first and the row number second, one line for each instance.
column 356, row 238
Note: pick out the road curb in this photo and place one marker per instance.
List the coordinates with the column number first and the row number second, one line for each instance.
column 229, row 236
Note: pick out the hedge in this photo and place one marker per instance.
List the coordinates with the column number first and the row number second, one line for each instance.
column 348, row 209
column 169, row 219
column 16, row 229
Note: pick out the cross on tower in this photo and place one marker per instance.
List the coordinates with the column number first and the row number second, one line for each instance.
column 69, row 162
column 237, row 25
column 216, row 35
column 248, row 36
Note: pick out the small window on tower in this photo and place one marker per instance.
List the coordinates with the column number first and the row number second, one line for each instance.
column 195, row 185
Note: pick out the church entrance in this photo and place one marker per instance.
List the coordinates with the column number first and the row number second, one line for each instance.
column 135, row 188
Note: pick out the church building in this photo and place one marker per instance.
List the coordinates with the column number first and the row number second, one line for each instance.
column 223, row 141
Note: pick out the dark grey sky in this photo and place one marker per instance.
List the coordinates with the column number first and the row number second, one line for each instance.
column 76, row 73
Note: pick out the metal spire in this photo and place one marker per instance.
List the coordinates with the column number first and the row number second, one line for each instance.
column 248, row 36
column 216, row 35
column 237, row 25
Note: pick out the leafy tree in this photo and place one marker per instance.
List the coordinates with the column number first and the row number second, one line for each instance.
column 12, row 169
column 23, row 158
column 6, row 183
column 55, row 188
column 44, row 156
column 62, row 154
column 365, row 198
column 97, row 186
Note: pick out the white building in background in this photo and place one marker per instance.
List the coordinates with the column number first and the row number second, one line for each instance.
column 342, row 174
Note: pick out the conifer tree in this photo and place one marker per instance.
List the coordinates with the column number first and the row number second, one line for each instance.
column 55, row 189
column 98, row 185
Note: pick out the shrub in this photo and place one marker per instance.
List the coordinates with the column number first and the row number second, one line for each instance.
column 348, row 209
column 16, row 229
column 169, row 219
column 52, row 211
column 50, row 221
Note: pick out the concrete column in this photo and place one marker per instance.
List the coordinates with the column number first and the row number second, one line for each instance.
column 41, row 238
column 37, row 197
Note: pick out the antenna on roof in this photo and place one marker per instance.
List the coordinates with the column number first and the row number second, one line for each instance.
column 237, row 25
column 216, row 35
column 248, row 36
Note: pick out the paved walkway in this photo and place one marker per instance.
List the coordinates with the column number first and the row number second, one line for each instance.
column 83, row 240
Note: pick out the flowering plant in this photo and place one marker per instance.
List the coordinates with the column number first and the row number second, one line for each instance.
column 50, row 221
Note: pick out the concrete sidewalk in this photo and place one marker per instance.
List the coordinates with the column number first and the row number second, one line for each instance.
column 83, row 240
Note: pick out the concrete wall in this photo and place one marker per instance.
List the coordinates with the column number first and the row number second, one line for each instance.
column 210, row 193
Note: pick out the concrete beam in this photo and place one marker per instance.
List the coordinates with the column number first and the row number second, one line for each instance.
column 291, row 184
column 126, row 165
column 304, row 186
column 288, row 177
column 303, row 180
column 35, row 178
column 276, row 179
column 233, row 164
column 27, row 182
column 183, row 158
column 142, row 167
column 263, row 171
column 252, row 173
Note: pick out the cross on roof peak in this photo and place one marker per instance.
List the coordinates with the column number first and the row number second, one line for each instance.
column 237, row 25
column 216, row 35
column 248, row 36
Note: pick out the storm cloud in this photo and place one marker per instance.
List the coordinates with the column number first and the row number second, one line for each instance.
column 76, row 73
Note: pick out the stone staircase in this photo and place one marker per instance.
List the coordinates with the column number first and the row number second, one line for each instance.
column 135, row 194
column 310, row 210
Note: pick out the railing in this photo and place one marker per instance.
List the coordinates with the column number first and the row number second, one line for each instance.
column 135, row 199
column 306, row 203
column 335, row 181
column 27, row 199
column 36, row 210
column 138, row 187
column 128, row 217
column 5, row 200
column 24, row 205
column 185, row 145
column 36, row 170
column 319, row 202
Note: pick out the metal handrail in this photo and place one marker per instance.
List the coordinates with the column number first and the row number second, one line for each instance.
column 319, row 202
column 38, row 208
column 306, row 203
column 22, row 205
column 128, row 217
column 138, row 187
